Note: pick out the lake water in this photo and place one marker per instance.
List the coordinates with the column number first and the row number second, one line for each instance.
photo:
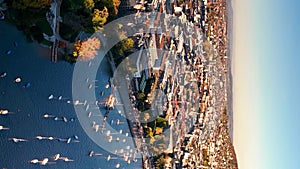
column 32, row 63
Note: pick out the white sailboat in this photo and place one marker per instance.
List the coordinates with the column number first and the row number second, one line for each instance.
column 3, row 128
column 40, row 137
column 96, row 127
column 56, row 157
column 16, row 140
column 18, row 80
column 50, row 138
column 111, row 158
column 50, row 97
column 4, row 74
column 119, row 122
column 92, row 153
column 34, row 161
column 45, row 161
column 4, row 112
column 66, row 159
column 69, row 140
column 47, row 116
column 77, row 102
column 65, row 119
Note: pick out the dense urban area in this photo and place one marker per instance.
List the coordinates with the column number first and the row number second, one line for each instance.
column 178, row 83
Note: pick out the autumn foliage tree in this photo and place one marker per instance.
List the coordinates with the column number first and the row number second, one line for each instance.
column 87, row 49
column 111, row 5
column 99, row 18
column 127, row 44
column 89, row 4
column 116, row 5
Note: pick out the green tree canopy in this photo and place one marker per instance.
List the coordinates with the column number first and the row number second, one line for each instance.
column 127, row 44
column 160, row 162
column 161, row 122
column 124, row 45
column 37, row 4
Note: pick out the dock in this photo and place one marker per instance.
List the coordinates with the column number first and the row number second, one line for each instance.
column 54, row 49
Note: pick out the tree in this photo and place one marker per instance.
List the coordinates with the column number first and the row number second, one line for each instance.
column 3, row 5
column 146, row 116
column 89, row 4
column 23, row 4
column 148, row 132
column 111, row 5
column 158, row 130
column 99, row 18
column 26, row 18
column 152, row 140
column 124, row 45
column 116, row 5
column 87, row 49
column 37, row 33
column 141, row 95
column 127, row 44
column 160, row 162
column 72, row 5
column 161, row 122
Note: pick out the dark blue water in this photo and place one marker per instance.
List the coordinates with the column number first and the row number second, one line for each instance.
column 32, row 63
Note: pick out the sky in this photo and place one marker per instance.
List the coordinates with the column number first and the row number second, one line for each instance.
column 266, row 74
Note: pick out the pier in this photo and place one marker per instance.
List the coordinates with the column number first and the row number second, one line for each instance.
column 55, row 28
column 54, row 50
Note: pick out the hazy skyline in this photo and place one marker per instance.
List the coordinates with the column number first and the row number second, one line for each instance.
column 266, row 83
